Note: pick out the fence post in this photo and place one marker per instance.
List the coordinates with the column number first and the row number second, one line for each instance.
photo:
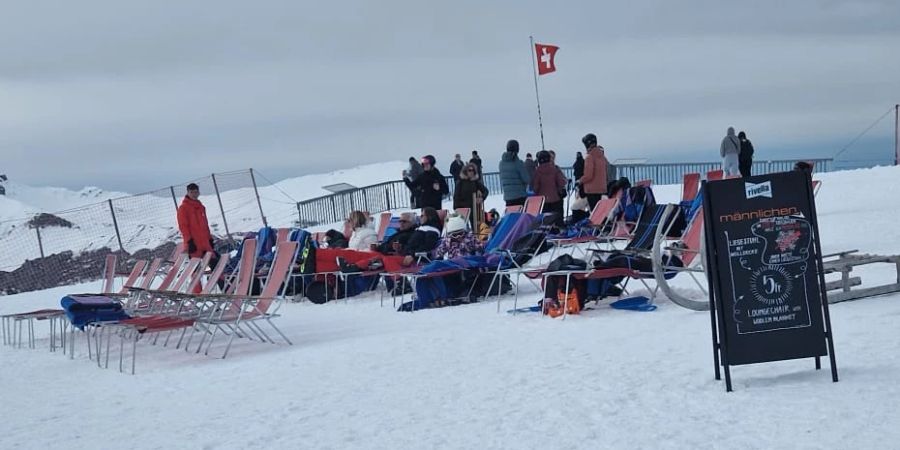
column 299, row 216
column 387, row 197
column 333, row 210
column 259, row 203
column 174, row 199
column 221, row 208
column 37, row 230
column 112, row 211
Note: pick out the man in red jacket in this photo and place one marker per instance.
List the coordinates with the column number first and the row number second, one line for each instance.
column 193, row 225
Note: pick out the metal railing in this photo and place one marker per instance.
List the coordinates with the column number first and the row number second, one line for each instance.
column 395, row 195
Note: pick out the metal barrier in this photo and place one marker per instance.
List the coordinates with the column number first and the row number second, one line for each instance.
column 60, row 248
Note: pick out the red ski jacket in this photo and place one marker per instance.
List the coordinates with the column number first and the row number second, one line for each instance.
column 193, row 225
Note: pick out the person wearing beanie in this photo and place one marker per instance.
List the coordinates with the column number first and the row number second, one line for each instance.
column 513, row 176
column 431, row 184
column 593, row 182
column 549, row 181
column 458, row 240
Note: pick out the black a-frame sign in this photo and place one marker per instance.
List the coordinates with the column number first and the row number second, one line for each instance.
column 767, row 286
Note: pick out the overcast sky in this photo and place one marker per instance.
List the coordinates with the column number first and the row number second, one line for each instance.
column 133, row 95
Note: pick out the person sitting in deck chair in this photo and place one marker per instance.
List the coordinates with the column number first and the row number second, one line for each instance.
column 364, row 235
column 422, row 242
column 401, row 237
column 452, row 288
column 458, row 241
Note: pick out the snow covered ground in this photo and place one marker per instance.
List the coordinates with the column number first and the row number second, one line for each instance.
column 364, row 376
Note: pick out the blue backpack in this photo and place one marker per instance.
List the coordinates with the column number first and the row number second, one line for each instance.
column 635, row 199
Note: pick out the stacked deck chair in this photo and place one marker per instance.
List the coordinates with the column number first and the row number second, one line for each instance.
column 12, row 324
column 211, row 312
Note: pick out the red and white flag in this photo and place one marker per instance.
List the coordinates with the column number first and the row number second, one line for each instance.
column 545, row 58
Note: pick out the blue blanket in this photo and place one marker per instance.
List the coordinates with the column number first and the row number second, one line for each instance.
column 85, row 309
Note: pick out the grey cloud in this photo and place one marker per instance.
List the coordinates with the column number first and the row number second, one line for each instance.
column 296, row 87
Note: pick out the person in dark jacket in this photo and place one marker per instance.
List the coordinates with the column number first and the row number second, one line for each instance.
column 530, row 165
column 399, row 239
column 745, row 157
column 431, row 184
column 411, row 173
column 549, row 181
column 425, row 238
column 456, row 167
column 469, row 187
column 470, row 192
column 477, row 161
column 578, row 166
column 513, row 176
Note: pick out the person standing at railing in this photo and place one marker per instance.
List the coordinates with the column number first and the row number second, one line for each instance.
column 477, row 161
column 729, row 151
column 411, row 173
column 578, row 166
column 549, row 181
column 745, row 157
column 456, row 167
column 593, row 182
column 431, row 185
column 470, row 192
column 530, row 165
column 513, row 176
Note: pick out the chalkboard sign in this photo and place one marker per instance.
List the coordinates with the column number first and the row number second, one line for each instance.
column 766, row 295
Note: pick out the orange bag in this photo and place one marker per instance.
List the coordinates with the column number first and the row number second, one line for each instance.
column 570, row 301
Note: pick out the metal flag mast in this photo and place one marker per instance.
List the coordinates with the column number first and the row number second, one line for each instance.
column 536, row 94
column 896, row 134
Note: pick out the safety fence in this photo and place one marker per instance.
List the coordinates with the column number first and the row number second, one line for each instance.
column 65, row 247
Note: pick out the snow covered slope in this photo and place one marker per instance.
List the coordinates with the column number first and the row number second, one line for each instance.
column 362, row 376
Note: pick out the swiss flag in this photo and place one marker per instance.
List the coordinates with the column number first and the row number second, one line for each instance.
column 545, row 56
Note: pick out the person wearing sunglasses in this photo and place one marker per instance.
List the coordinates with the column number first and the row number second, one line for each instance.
column 431, row 185
column 470, row 192
column 397, row 241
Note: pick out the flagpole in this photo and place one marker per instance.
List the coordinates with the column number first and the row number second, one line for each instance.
column 536, row 94
column 897, row 134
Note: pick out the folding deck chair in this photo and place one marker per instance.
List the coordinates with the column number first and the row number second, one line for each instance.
column 603, row 216
column 715, row 175
column 690, row 186
column 534, row 205
column 383, row 222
